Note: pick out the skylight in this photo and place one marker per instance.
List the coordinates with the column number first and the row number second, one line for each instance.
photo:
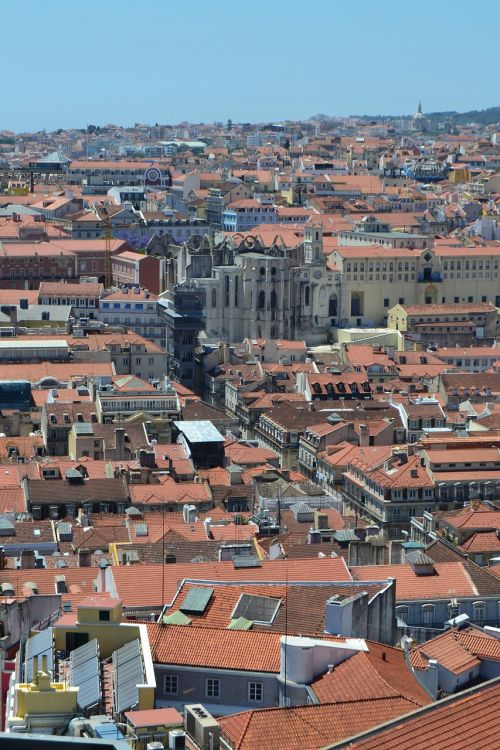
column 259, row 609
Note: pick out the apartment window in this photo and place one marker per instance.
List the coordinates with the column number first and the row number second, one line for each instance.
column 170, row 684
column 255, row 692
column 212, row 688
column 403, row 613
column 428, row 614
column 104, row 615
column 479, row 609
column 386, row 302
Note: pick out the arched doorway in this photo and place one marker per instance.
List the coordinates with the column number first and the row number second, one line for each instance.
column 332, row 306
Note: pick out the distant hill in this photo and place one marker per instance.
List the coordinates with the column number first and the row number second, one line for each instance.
column 481, row 116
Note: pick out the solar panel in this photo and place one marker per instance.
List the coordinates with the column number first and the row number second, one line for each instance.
column 196, row 600
column 128, row 673
column 83, row 428
column 127, row 652
column 244, row 561
column 85, row 673
column 38, row 645
column 260, row 609
column 83, row 653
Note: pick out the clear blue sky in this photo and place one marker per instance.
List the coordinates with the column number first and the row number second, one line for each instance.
column 67, row 63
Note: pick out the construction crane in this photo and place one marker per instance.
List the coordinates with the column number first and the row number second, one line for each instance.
column 107, row 249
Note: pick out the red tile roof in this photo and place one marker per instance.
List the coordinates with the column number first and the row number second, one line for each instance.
column 379, row 673
column 449, row 578
column 482, row 541
column 457, row 650
column 467, row 720
column 469, row 518
column 168, row 492
column 130, row 580
column 216, row 648
column 308, row 727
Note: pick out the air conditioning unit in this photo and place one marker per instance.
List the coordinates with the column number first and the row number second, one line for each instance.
column 202, row 727
column 176, row 739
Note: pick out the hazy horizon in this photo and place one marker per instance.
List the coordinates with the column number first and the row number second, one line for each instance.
column 261, row 62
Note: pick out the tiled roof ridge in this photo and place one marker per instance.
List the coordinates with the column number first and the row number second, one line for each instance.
column 469, row 578
column 397, row 692
column 248, row 722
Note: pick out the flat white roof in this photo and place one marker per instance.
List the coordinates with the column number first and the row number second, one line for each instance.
column 12, row 343
column 199, row 431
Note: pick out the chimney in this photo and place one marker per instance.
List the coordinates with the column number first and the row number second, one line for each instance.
column 84, row 558
column 207, row 523
column 102, row 577
column 147, row 459
column 27, row 559
column 364, row 437
column 235, row 474
column 120, row 443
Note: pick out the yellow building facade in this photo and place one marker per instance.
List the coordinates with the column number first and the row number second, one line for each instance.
column 375, row 279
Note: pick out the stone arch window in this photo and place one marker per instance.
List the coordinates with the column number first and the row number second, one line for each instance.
column 273, row 271
column 214, row 297
column 332, row 306
column 262, row 271
column 261, row 300
column 226, row 291
column 236, row 291
column 307, row 295
column 357, row 303
column 274, row 300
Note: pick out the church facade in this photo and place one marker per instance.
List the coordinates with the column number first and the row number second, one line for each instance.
column 256, row 290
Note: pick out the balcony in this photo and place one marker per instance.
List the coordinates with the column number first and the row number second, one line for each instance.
column 364, row 505
column 428, row 278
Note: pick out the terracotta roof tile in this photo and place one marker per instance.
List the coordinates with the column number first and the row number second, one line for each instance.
column 308, row 727
column 164, row 581
column 379, row 673
column 467, row 720
column 448, row 577
column 218, row 648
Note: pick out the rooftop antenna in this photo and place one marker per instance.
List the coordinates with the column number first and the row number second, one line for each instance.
column 286, row 634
